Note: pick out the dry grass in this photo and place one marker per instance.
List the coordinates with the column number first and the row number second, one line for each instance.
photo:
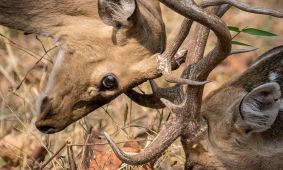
column 24, row 68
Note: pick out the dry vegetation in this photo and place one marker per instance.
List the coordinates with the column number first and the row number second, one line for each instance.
column 25, row 61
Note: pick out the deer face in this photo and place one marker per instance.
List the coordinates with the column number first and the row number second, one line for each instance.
column 242, row 113
column 100, row 57
column 243, row 126
column 245, row 116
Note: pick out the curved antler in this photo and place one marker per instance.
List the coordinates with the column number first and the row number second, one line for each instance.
column 174, row 94
column 173, row 128
column 244, row 7
column 168, row 134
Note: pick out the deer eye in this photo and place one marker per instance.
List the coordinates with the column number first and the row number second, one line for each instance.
column 109, row 82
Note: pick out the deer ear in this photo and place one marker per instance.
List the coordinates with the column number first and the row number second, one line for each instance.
column 116, row 13
column 259, row 108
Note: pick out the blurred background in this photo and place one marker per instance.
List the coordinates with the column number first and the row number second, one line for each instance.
column 23, row 72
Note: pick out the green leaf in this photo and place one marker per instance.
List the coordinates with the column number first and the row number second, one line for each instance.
column 235, row 29
column 240, row 43
column 254, row 31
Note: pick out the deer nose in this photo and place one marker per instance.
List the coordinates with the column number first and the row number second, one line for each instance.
column 45, row 128
column 45, row 113
column 44, row 104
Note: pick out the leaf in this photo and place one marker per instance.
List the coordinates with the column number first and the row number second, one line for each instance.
column 240, row 43
column 254, row 31
column 235, row 29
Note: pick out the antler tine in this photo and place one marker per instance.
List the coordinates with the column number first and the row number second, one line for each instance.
column 174, row 108
column 146, row 100
column 170, row 132
column 240, row 51
column 175, row 94
column 244, row 7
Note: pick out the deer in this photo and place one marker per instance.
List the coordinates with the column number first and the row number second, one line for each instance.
column 245, row 130
column 105, row 47
column 93, row 37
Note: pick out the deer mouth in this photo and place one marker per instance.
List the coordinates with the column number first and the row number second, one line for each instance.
column 53, row 122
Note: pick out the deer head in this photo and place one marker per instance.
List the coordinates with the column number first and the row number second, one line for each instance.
column 247, row 125
column 105, row 46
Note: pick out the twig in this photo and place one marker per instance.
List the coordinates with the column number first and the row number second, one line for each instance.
column 106, row 111
column 42, row 45
column 85, row 152
column 71, row 157
column 130, row 119
column 54, row 155
column 26, row 50
column 7, row 76
column 33, row 67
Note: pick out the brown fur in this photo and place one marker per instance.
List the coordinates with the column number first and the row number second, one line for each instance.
column 258, row 151
column 90, row 50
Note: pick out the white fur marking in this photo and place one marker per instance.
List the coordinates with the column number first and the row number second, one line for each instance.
column 273, row 76
column 58, row 61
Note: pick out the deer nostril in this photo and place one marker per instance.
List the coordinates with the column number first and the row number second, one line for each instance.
column 46, row 128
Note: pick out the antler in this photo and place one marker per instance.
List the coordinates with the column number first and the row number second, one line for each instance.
column 175, row 94
column 185, row 120
column 244, row 7
column 151, row 100
column 165, row 59
column 168, row 134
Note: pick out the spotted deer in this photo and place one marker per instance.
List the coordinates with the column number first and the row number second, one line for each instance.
column 245, row 116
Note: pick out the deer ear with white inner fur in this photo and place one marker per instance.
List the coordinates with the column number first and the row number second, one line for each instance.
column 116, row 13
column 259, row 108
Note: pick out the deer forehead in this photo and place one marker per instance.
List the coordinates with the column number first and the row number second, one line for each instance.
column 224, row 97
column 222, row 103
column 84, row 31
